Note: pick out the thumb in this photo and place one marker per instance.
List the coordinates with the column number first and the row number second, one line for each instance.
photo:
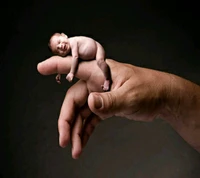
column 106, row 104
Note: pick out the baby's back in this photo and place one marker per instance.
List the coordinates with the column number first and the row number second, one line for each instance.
column 87, row 47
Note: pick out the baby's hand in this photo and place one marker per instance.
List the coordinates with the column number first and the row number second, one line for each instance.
column 70, row 77
column 58, row 77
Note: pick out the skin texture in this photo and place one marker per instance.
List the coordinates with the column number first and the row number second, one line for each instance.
column 138, row 94
column 81, row 47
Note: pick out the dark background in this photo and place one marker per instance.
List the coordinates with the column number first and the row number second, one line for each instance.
column 159, row 35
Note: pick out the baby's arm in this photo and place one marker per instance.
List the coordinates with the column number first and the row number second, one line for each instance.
column 74, row 65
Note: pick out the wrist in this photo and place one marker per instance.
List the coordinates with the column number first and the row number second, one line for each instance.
column 182, row 101
column 171, row 99
column 182, row 110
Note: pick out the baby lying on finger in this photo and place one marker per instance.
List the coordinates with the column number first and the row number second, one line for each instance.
column 80, row 47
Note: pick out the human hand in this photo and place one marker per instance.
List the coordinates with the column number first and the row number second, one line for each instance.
column 70, row 77
column 136, row 93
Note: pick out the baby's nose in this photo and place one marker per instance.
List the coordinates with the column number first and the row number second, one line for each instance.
column 60, row 46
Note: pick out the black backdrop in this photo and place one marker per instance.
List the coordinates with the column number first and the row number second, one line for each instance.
column 163, row 36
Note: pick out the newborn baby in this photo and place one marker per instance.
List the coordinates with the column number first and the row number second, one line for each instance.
column 81, row 47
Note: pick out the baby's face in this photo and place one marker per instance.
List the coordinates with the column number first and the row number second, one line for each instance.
column 60, row 45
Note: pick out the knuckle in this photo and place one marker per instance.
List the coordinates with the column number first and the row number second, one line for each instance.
column 111, row 101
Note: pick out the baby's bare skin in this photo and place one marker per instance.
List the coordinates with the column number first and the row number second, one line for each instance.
column 81, row 47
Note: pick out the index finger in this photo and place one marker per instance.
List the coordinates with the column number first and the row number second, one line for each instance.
column 69, row 113
column 62, row 65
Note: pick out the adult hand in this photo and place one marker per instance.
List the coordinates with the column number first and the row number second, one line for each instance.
column 136, row 93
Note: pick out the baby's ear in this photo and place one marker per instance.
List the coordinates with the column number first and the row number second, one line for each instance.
column 64, row 35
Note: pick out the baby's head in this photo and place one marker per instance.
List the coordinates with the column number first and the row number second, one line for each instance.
column 59, row 44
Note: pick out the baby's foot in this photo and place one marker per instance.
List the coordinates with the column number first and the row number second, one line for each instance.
column 70, row 77
column 106, row 85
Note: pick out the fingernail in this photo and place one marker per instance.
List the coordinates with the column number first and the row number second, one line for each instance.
column 98, row 101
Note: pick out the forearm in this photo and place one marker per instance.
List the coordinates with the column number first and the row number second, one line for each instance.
column 74, row 65
column 182, row 109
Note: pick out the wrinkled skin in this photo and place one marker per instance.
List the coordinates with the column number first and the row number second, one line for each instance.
column 136, row 94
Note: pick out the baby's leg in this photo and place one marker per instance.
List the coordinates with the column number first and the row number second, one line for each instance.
column 100, row 57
